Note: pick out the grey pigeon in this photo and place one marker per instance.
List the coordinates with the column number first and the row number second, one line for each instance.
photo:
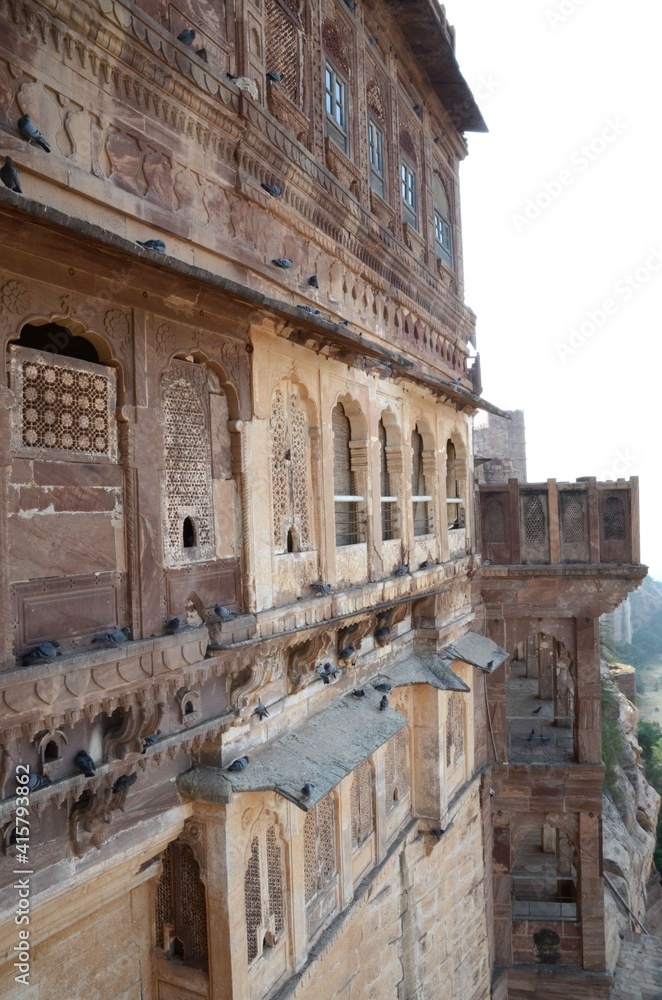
column 438, row 833
column 536, row 710
column 383, row 633
column 239, row 764
column 347, row 652
column 343, row 323
column 84, row 763
column 158, row 245
column 45, row 651
column 149, row 741
column 350, row 4
column 124, row 782
column 416, row 108
column 275, row 190
column 37, row 781
column 373, row 41
column 186, row 36
column 323, row 674
column 487, row 562
column 531, row 735
column 274, row 77
column 261, row 709
column 424, row 564
column 284, row 262
column 174, row 625
column 321, row 589
column 313, row 281
column 383, row 686
column 401, row 570
column 330, row 671
column 456, row 381
column 309, row 309
column 359, row 693
column 113, row 638
column 223, row 613
column 307, row 790
column 32, row 133
column 383, row 703
column 9, row 176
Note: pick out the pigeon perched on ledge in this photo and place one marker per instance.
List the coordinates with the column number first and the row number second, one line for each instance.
column 283, row 262
column 37, row 781
column 224, row 613
column 275, row 190
column 321, row 589
column 124, row 782
column 173, row 626
column 31, row 132
column 239, row 764
column 273, row 76
column 113, row 638
column 45, row 651
column 9, row 176
column 401, row 570
column 383, row 704
column 261, row 709
column 157, row 245
column 186, row 36
column 307, row 790
column 84, row 763
column 149, row 741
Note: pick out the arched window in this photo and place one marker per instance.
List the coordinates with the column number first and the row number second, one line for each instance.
column 389, row 501
column 264, row 897
column 421, row 499
column 347, row 502
column 189, row 523
column 442, row 222
column 455, row 482
column 534, row 520
column 181, row 909
column 290, row 470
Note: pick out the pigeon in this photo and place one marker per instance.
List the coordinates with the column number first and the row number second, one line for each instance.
column 9, row 176
column 84, row 763
column 383, row 633
column 347, row 652
column 373, row 41
column 224, row 613
column 383, row 703
column 536, row 710
column 321, row 589
column 273, row 76
column 149, row 741
column 158, row 245
column 416, row 109
column 401, row 570
column 343, row 323
column 307, row 790
column 323, row 674
column 283, row 262
column 531, row 735
column 437, row 832
column 173, row 625
column 124, row 782
column 456, row 381
column 330, row 671
column 37, row 781
column 424, row 564
column 239, row 764
column 359, row 693
column 350, row 4
column 309, row 309
column 32, row 133
column 383, row 686
column 186, row 36
column 545, row 739
column 45, row 651
column 487, row 562
column 113, row 638
column 261, row 709
column 275, row 190
column 313, row 280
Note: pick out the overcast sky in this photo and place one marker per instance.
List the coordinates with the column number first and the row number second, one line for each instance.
column 562, row 225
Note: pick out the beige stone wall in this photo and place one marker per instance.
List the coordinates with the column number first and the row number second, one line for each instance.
column 417, row 929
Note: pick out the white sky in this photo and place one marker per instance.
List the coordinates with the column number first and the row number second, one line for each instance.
column 550, row 75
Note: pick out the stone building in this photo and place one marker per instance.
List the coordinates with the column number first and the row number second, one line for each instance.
column 193, row 437
column 500, row 447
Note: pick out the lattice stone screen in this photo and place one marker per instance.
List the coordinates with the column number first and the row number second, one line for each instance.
column 290, row 465
column 319, row 847
column 180, row 902
column 66, row 408
column 396, row 769
column 495, row 523
column 534, row 520
column 282, row 39
column 362, row 804
column 572, row 518
column 454, row 730
column 253, row 899
column 188, row 483
column 614, row 519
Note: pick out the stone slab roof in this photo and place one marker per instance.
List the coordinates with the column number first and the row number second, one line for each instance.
column 477, row 650
column 424, row 668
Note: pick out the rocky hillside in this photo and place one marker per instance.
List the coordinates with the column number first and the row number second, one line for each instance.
column 630, row 810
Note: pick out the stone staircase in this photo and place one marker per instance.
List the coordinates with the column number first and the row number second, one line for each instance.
column 638, row 973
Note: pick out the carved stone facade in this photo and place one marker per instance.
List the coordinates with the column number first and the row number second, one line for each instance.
column 237, row 525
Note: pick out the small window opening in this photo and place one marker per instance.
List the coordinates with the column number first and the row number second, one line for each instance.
column 12, row 837
column 177, row 948
column 57, row 339
column 188, row 708
column 51, row 752
column 188, row 533
column 396, row 794
column 292, row 540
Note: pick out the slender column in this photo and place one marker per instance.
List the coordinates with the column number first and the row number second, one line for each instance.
column 6, row 637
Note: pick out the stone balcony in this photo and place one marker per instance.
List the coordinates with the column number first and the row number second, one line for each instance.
column 552, row 523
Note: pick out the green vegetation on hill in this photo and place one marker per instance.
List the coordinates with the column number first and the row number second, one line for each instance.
column 650, row 740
